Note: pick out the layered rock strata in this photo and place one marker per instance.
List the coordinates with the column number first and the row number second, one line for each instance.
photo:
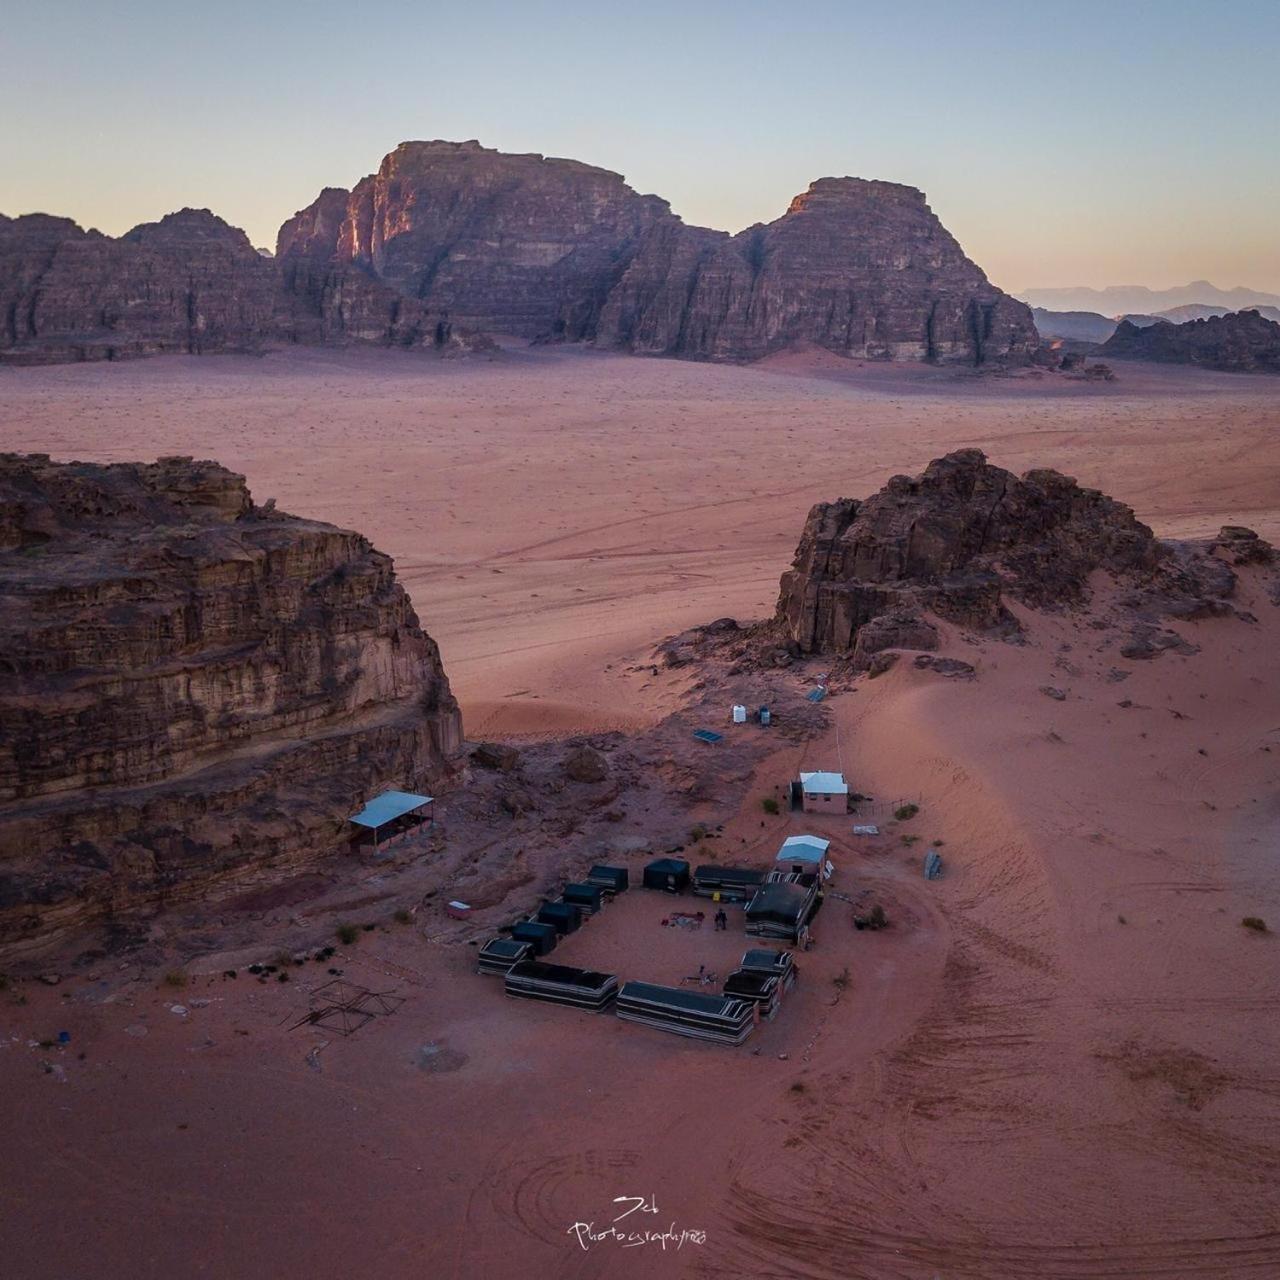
column 553, row 249
column 194, row 691
column 189, row 284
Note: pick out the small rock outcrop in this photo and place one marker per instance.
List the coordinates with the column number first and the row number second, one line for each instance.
column 194, row 691
column 956, row 540
column 1241, row 342
column 585, row 764
column 553, row 249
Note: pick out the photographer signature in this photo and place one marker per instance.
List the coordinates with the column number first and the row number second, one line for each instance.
column 634, row 1234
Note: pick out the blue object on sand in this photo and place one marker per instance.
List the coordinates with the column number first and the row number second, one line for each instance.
column 706, row 735
column 818, row 694
column 64, row 1037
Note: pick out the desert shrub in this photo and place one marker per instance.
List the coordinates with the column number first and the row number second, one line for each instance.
column 403, row 917
column 176, row 978
column 798, row 1087
column 903, row 812
column 1256, row 923
column 910, row 840
column 841, row 980
column 877, row 917
column 348, row 933
column 698, row 833
column 769, row 805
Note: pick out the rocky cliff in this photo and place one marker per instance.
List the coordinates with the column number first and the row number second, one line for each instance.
column 194, row 691
column 1243, row 342
column 550, row 249
column 189, row 283
column 957, row 540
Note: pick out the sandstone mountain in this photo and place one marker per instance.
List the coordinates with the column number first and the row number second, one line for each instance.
column 551, row 249
column 1243, row 342
column 194, row 691
column 955, row 541
column 189, row 283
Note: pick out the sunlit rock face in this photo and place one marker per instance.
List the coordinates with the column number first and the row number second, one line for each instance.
column 194, row 691
column 552, row 249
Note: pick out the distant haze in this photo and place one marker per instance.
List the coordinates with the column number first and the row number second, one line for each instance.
column 1089, row 146
column 1121, row 300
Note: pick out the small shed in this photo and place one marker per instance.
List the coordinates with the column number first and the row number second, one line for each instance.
column 390, row 814
column 804, row 853
column 824, row 792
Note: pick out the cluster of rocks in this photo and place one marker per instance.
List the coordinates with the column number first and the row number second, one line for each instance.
column 1239, row 342
column 194, row 690
column 554, row 249
column 876, row 574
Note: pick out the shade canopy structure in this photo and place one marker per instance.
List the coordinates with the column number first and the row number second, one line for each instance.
column 387, row 807
column 804, row 849
column 823, row 783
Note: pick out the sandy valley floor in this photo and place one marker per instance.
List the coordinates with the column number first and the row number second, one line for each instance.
column 1061, row 1060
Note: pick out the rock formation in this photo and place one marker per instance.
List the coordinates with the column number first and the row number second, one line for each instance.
column 1244, row 342
column 553, row 249
column 194, row 691
column 956, row 540
column 189, row 283
column 449, row 241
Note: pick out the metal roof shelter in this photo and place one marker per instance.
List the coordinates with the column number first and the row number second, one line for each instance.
column 804, row 849
column 387, row 808
column 823, row 783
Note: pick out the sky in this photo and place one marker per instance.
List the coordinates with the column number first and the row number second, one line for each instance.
column 1128, row 142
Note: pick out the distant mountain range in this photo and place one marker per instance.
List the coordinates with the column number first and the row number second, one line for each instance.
column 1118, row 300
column 1091, row 326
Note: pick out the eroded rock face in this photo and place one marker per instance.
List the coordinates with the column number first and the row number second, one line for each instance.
column 1241, row 342
column 514, row 244
column 953, row 541
column 552, row 249
column 193, row 690
column 857, row 267
column 188, row 284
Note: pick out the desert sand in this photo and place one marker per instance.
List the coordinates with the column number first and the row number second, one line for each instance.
column 1058, row 1062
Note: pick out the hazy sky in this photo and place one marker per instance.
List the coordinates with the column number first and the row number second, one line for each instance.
column 1088, row 144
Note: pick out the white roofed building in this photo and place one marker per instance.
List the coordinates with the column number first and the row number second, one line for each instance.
column 824, row 792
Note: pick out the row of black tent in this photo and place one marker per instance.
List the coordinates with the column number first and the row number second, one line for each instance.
column 538, row 935
column 780, row 904
column 755, row 987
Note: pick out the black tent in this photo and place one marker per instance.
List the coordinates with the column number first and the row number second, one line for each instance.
column 610, row 879
column 542, row 937
column 499, row 954
column 563, row 915
column 670, row 874
column 589, row 897
column 781, row 910
column 733, row 884
column 687, row 1013
column 562, row 984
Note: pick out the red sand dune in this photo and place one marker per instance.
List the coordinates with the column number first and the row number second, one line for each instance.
column 1058, row 1062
